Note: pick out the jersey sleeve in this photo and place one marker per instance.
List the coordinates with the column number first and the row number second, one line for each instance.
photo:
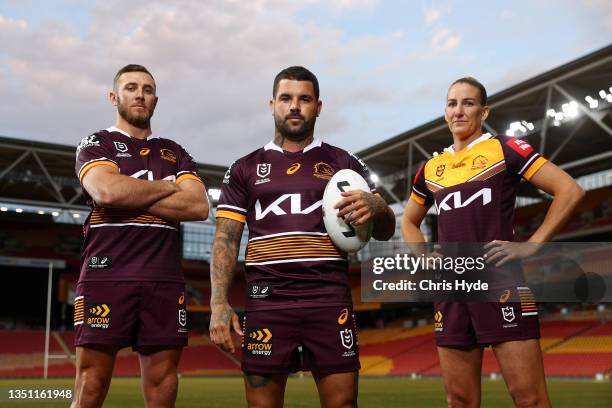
column 420, row 193
column 93, row 151
column 187, row 168
column 233, row 202
column 521, row 159
column 359, row 166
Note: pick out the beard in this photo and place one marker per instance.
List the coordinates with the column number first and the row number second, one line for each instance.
column 292, row 133
column 141, row 121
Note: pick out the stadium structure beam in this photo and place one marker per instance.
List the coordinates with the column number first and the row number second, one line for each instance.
column 553, row 81
column 58, row 193
column 409, row 170
column 545, row 120
column 567, row 139
column 420, row 149
column 52, row 204
column 587, row 160
column 584, row 109
column 13, row 164
column 37, row 149
column 490, row 128
column 76, row 197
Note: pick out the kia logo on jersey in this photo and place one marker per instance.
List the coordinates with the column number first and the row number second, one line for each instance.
column 454, row 200
column 295, row 201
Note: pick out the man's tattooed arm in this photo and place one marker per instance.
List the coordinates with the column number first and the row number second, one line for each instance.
column 224, row 257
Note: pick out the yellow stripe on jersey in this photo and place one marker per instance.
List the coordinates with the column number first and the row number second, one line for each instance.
column 187, row 176
column 101, row 215
column 533, row 169
column 418, row 199
column 94, row 164
column 448, row 170
column 231, row 215
column 287, row 247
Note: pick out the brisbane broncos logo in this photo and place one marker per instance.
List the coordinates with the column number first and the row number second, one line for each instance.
column 323, row 171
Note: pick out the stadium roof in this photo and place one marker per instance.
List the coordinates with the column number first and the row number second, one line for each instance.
column 43, row 174
column 549, row 111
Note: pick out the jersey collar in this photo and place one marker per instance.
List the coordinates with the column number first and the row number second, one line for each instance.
column 116, row 129
column 272, row 146
column 486, row 136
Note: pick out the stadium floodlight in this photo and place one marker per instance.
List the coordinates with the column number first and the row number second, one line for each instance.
column 594, row 104
column 55, row 214
column 557, row 123
column 602, row 94
column 19, row 210
column 551, row 113
column 570, row 109
column 374, row 177
column 588, row 98
column 214, row 193
column 559, row 116
column 3, row 209
column 609, row 97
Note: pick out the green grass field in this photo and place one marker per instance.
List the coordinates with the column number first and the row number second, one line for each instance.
column 301, row 393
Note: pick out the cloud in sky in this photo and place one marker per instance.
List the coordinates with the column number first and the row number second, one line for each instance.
column 443, row 41
column 355, row 4
column 214, row 63
column 431, row 16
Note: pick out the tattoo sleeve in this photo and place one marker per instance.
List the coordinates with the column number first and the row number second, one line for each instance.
column 224, row 256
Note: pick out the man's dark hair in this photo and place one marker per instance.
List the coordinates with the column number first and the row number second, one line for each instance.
column 130, row 68
column 296, row 73
column 475, row 83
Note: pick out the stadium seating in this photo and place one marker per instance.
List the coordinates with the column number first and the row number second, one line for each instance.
column 572, row 348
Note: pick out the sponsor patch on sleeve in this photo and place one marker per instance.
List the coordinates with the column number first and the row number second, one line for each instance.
column 520, row 146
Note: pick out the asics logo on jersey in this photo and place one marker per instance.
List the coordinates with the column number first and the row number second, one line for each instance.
column 295, row 201
column 454, row 200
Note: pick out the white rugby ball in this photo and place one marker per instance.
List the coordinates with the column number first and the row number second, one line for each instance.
column 346, row 237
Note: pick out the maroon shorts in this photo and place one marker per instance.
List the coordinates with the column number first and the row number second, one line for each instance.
column 514, row 317
column 326, row 336
column 130, row 314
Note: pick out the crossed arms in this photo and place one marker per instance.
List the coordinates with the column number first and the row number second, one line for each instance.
column 173, row 202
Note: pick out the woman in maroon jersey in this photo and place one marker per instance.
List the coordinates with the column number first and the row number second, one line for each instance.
column 473, row 185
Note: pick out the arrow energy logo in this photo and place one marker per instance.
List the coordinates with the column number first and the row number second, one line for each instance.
column 98, row 317
column 259, row 341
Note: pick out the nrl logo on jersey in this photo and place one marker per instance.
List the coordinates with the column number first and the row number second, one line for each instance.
column 263, row 171
column 122, row 148
column 295, row 200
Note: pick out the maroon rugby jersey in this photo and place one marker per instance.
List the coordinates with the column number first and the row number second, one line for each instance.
column 131, row 245
column 290, row 260
column 474, row 189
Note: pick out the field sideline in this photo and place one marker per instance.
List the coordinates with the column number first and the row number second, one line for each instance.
column 205, row 392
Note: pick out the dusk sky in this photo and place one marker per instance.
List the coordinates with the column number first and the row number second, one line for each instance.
column 383, row 66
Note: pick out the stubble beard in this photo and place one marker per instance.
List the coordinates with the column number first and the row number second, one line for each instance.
column 293, row 134
column 142, row 121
